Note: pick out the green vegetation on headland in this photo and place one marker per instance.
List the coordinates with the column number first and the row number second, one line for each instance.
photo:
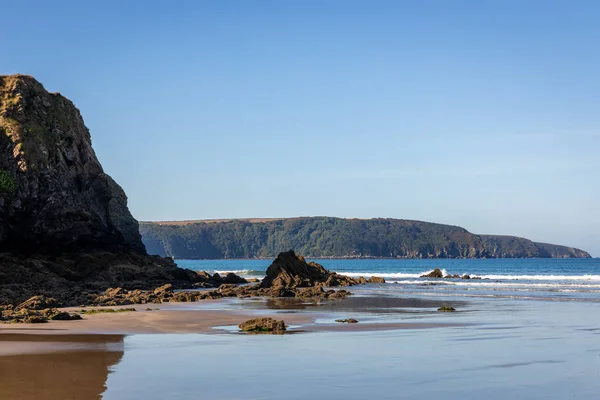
column 336, row 237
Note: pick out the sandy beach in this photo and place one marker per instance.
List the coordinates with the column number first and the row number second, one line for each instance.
column 494, row 348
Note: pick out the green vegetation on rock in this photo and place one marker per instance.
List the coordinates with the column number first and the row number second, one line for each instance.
column 7, row 183
column 336, row 237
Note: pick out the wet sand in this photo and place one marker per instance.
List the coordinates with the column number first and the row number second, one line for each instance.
column 491, row 349
column 205, row 316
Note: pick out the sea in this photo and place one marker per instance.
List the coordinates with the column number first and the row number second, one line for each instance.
column 531, row 278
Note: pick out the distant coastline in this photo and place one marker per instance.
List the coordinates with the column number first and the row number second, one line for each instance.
column 336, row 238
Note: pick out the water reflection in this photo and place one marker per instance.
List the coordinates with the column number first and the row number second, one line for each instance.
column 64, row 367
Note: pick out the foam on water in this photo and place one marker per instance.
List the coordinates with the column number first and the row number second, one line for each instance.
column 493, row 277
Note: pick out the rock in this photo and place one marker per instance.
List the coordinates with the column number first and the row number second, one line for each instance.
column 376, row 279
column 233, row 278
column 314, row 292
column 64, row 316
column 263, row 325
column 436, row 273
column 291, row 271
column 112, row 292
column 168, row 288
column 347, row 321
column 338, row 294
column 447, row 309
column 35, row 319
column 37, row 303
column 466, row 277
column 228, row 290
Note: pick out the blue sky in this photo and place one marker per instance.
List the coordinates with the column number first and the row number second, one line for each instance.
column 482, row 114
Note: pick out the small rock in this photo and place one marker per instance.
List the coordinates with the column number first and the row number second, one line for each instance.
column 447, row 309
column 347, row 321
column 376, row 279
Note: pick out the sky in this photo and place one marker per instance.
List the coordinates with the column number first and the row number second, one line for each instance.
column 482, row 114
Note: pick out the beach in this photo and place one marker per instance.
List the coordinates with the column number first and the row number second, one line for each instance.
column 402, row 347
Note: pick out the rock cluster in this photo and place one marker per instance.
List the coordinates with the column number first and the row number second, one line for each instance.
column 38, row 309
column 437, row 273
column 288, row 276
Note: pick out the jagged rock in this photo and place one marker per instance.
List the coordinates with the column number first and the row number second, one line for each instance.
column 436, row 273
column 263, row 325
column 37, row 303
column 112, row 292
column 233, row 278
column 376, row 279
column 466, row 277
column 291, row 271
column 168, row 288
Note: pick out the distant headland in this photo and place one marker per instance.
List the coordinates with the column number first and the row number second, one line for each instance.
column 329, row 237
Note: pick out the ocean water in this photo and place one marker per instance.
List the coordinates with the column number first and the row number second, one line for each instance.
column 543, row 279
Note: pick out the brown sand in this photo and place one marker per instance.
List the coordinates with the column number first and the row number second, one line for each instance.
column 165, row 320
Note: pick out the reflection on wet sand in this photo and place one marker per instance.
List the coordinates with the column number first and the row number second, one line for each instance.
column 63, row 366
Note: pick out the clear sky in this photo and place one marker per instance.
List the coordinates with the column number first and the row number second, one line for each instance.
column 483, row 114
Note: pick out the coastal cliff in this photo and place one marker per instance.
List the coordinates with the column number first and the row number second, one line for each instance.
column 63, row 220
column 336, row 237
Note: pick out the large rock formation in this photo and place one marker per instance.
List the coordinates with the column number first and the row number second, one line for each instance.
column 63, row 221
column 291, row 271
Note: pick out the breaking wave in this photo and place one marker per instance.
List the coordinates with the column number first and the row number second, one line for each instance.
column 400, row 275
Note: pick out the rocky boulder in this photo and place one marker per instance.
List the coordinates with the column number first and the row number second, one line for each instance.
column 263, row 325
column 436, row 273
column 291, row 271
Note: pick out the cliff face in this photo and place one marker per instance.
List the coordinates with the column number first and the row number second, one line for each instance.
column 336, row 237
column 64, row 223
column 54, row 195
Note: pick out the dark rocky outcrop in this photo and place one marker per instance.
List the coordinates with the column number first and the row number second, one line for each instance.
column 263, row 325
column 291, row 271
column 436, row 273
column 64, row 223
